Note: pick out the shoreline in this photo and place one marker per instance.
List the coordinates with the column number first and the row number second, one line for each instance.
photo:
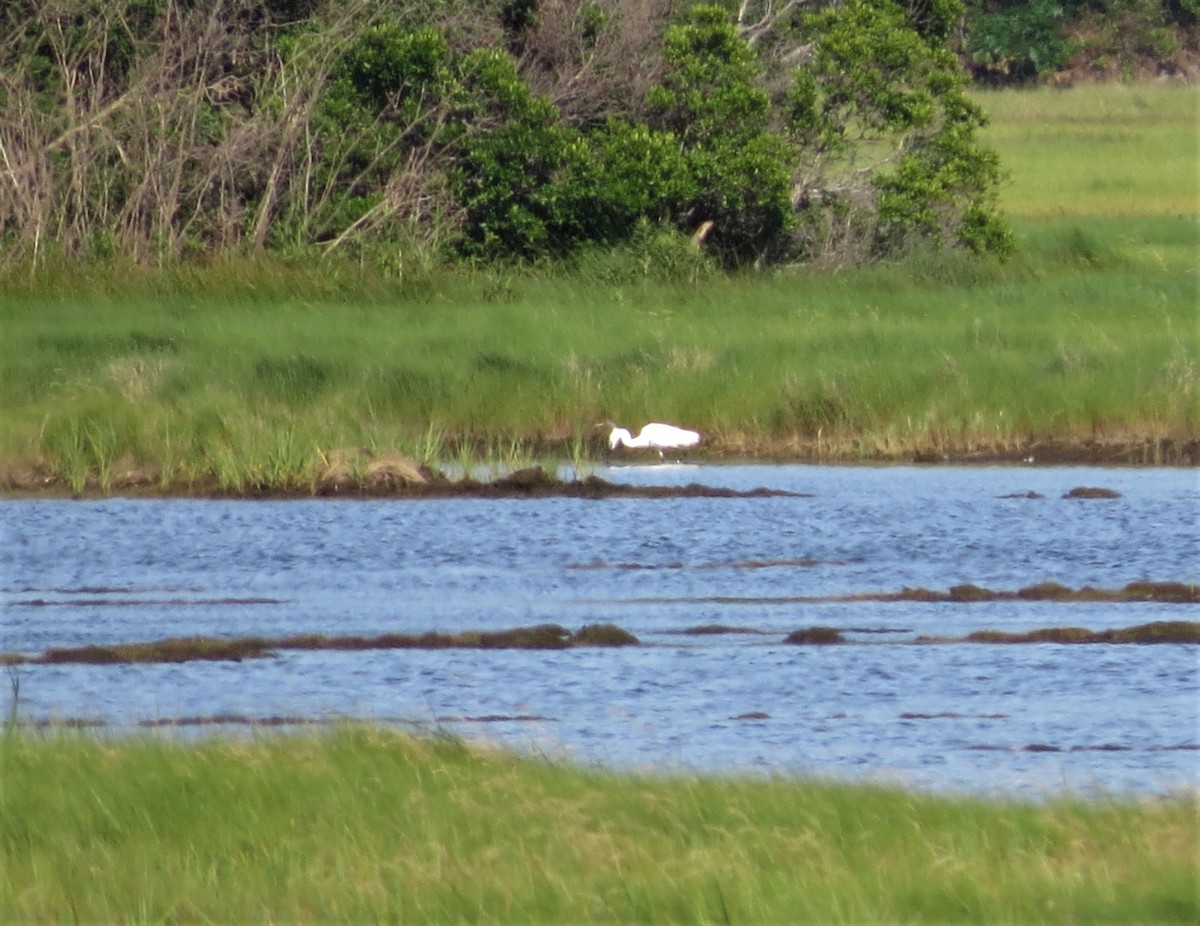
column 39, row 480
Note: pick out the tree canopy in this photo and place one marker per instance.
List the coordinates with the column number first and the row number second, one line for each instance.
column 827, row 131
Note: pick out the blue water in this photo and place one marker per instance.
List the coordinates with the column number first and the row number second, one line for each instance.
column 1031, row 718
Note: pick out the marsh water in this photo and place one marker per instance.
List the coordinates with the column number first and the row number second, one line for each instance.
column 1027, row 719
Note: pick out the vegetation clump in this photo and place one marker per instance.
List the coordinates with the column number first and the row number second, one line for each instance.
column 1046, row 591
column 815, row 636
column 970, row 592
column 701, row 630
column 1180, row 592
column 1092, row 492
column 914, row 594
column 1060, row 41
column 1045, row 635
column 1169, row 592
column 177, row 650
column 1155, row 632
column 530, row 479
column 603, row 635
column 540, row 636
column 350, row 470
column 413, row 132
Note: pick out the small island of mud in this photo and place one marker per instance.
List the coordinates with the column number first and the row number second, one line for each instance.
column 392, row 477
column 535, row 482
column 236, row 649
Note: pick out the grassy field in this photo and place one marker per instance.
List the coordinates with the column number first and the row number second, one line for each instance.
column 1113, row 150
column 355, row 825
column 249, row 374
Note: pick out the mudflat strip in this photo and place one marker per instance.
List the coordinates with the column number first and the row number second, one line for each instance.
column 550, row 637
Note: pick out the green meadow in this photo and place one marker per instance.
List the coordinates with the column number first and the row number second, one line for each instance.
column 359, row 825
column 1103, row 150
column 245, row 374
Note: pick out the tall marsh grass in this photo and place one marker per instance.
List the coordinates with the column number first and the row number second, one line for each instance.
column 357, row 825
column 1089, row 334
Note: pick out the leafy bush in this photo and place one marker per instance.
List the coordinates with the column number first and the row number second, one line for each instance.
column 1127, row 38
column 392, row 67
column 1017, row 40
column 734, row 171
column 878, row 100
column 1025, row 40
column 506, row 178
column 386, row 131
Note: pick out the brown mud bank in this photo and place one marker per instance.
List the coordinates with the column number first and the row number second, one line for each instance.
column 1183, row 593
column 405, row 481
column 1155, row 632
column 544, row 637
column 1166, row 592
column 388, row 474
column 968, row 451
column 187, row 649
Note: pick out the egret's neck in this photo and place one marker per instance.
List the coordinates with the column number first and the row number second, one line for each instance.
column 618, row 437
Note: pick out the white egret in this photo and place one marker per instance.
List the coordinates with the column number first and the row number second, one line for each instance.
column 656, row 436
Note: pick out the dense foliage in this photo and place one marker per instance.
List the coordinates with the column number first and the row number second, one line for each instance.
column 829, row 131
column 1023, row 40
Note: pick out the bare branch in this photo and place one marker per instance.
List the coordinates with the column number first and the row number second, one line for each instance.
column 769, row 19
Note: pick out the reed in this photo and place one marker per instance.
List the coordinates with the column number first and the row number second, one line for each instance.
column 360, row 824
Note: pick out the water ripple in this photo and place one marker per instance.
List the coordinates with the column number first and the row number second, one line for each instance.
column 981, row 718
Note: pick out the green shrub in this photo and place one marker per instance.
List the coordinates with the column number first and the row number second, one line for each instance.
column 735, row 170
column 387, row 132
column 1017, row 40
column 391, row 66
column 879, row 100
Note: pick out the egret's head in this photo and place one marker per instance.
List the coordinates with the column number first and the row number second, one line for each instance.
column 615, row 438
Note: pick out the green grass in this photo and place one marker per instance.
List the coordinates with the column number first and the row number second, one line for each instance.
column 1125, row 150
column 243, row 375
column 356, row 825
column 1090, row 333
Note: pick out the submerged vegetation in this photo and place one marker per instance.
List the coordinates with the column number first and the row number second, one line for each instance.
column 555, row 637
column 1157, row 632
column 1170, row 592
column 541, row 636
column 355, row 824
